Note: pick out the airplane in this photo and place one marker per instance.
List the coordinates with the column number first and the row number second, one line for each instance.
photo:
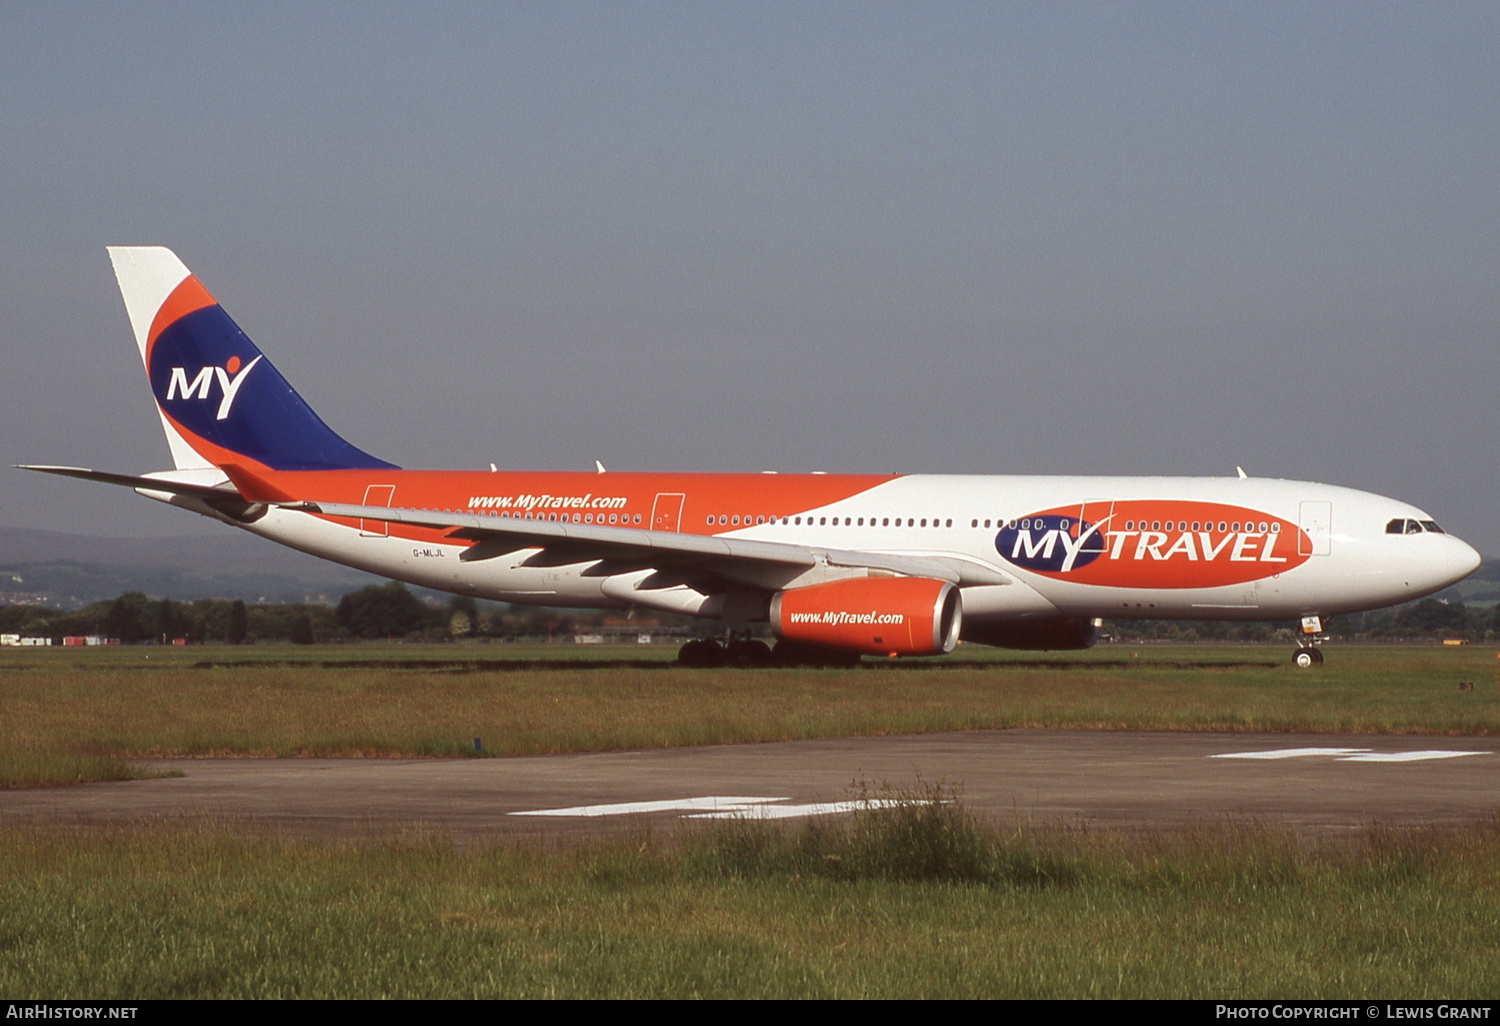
column 837, row 566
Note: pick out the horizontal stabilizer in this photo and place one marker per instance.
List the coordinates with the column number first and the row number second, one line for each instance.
column 169, row 485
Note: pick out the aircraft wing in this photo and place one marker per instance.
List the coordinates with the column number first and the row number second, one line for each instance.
column 677, row 558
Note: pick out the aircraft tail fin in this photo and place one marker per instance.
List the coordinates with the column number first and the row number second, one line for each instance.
column 220, row 400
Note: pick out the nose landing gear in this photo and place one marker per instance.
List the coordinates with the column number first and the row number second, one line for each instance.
column 1308, row 655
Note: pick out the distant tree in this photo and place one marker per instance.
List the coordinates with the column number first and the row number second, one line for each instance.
column 382, row 611
column 463, row 616
column 302, row 629
column 239, row 622
column 166, row 621
column 126, row 616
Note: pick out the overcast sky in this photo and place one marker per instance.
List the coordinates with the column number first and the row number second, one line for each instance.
column 992, row 238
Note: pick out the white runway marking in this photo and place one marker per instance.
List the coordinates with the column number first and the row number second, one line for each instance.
column 720, row 807
column 1407, row 756
column 711, row 803
column 793, row 811
column 1289, row 753
column 1349, row 754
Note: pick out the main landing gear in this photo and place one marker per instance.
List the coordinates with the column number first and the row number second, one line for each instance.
column 748, row 653
column 744, row 652
column 1308, row 655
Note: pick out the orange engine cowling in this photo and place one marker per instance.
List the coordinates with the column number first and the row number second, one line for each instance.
column 874, row 615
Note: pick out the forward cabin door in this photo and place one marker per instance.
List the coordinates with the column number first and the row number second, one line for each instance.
column 1316, row 536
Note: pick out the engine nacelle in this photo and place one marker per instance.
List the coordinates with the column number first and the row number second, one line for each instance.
column 874, row 615
column 1053, row 634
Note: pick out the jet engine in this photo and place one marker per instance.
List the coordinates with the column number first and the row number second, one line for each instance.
column 875, row 615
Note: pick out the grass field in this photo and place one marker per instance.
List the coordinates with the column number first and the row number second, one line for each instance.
column 916, row 902
column 922, row 901
column 68, row 716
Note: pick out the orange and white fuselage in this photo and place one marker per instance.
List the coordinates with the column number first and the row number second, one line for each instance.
column 876, row 563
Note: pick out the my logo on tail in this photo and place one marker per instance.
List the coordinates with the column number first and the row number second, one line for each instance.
column 230, row 377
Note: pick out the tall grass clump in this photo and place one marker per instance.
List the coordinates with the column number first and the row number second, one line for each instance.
column 921, row 833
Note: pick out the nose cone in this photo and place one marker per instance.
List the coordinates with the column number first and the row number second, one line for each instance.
column 1462, row 561
column 1418, row 565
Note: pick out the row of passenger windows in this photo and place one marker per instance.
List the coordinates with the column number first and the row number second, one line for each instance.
column 734, row 520
column 1142, row 525
column 621, row 519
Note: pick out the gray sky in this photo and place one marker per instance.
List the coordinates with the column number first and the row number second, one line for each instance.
column 992, row 238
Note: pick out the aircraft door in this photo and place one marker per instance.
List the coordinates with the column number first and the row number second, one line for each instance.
column 377, row 495
column 1097, row 513
column 1316, row 535
column 666, row 512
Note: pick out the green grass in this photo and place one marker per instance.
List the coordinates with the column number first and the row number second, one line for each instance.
column 917, row 902
column 102, row 707
column 921, row 901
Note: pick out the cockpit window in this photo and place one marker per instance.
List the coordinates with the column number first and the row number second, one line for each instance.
column 1401, row 525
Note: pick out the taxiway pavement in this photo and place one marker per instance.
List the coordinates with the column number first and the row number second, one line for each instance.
column 1110, row 779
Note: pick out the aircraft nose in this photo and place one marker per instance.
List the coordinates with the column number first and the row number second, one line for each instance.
column 1464, row 560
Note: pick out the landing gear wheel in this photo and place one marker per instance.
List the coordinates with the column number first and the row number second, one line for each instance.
column 749, row 654
column 1304, row 658
column 700, row 655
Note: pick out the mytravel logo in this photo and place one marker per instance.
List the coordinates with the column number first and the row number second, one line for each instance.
column 1153, row 543
column 229, row 378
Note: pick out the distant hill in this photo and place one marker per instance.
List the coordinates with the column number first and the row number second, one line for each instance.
column 70, row 570
column 1481, row 587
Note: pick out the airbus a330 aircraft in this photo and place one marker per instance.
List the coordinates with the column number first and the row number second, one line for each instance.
column 837, row 565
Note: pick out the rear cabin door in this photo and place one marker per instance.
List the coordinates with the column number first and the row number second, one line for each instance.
column 377, row 495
